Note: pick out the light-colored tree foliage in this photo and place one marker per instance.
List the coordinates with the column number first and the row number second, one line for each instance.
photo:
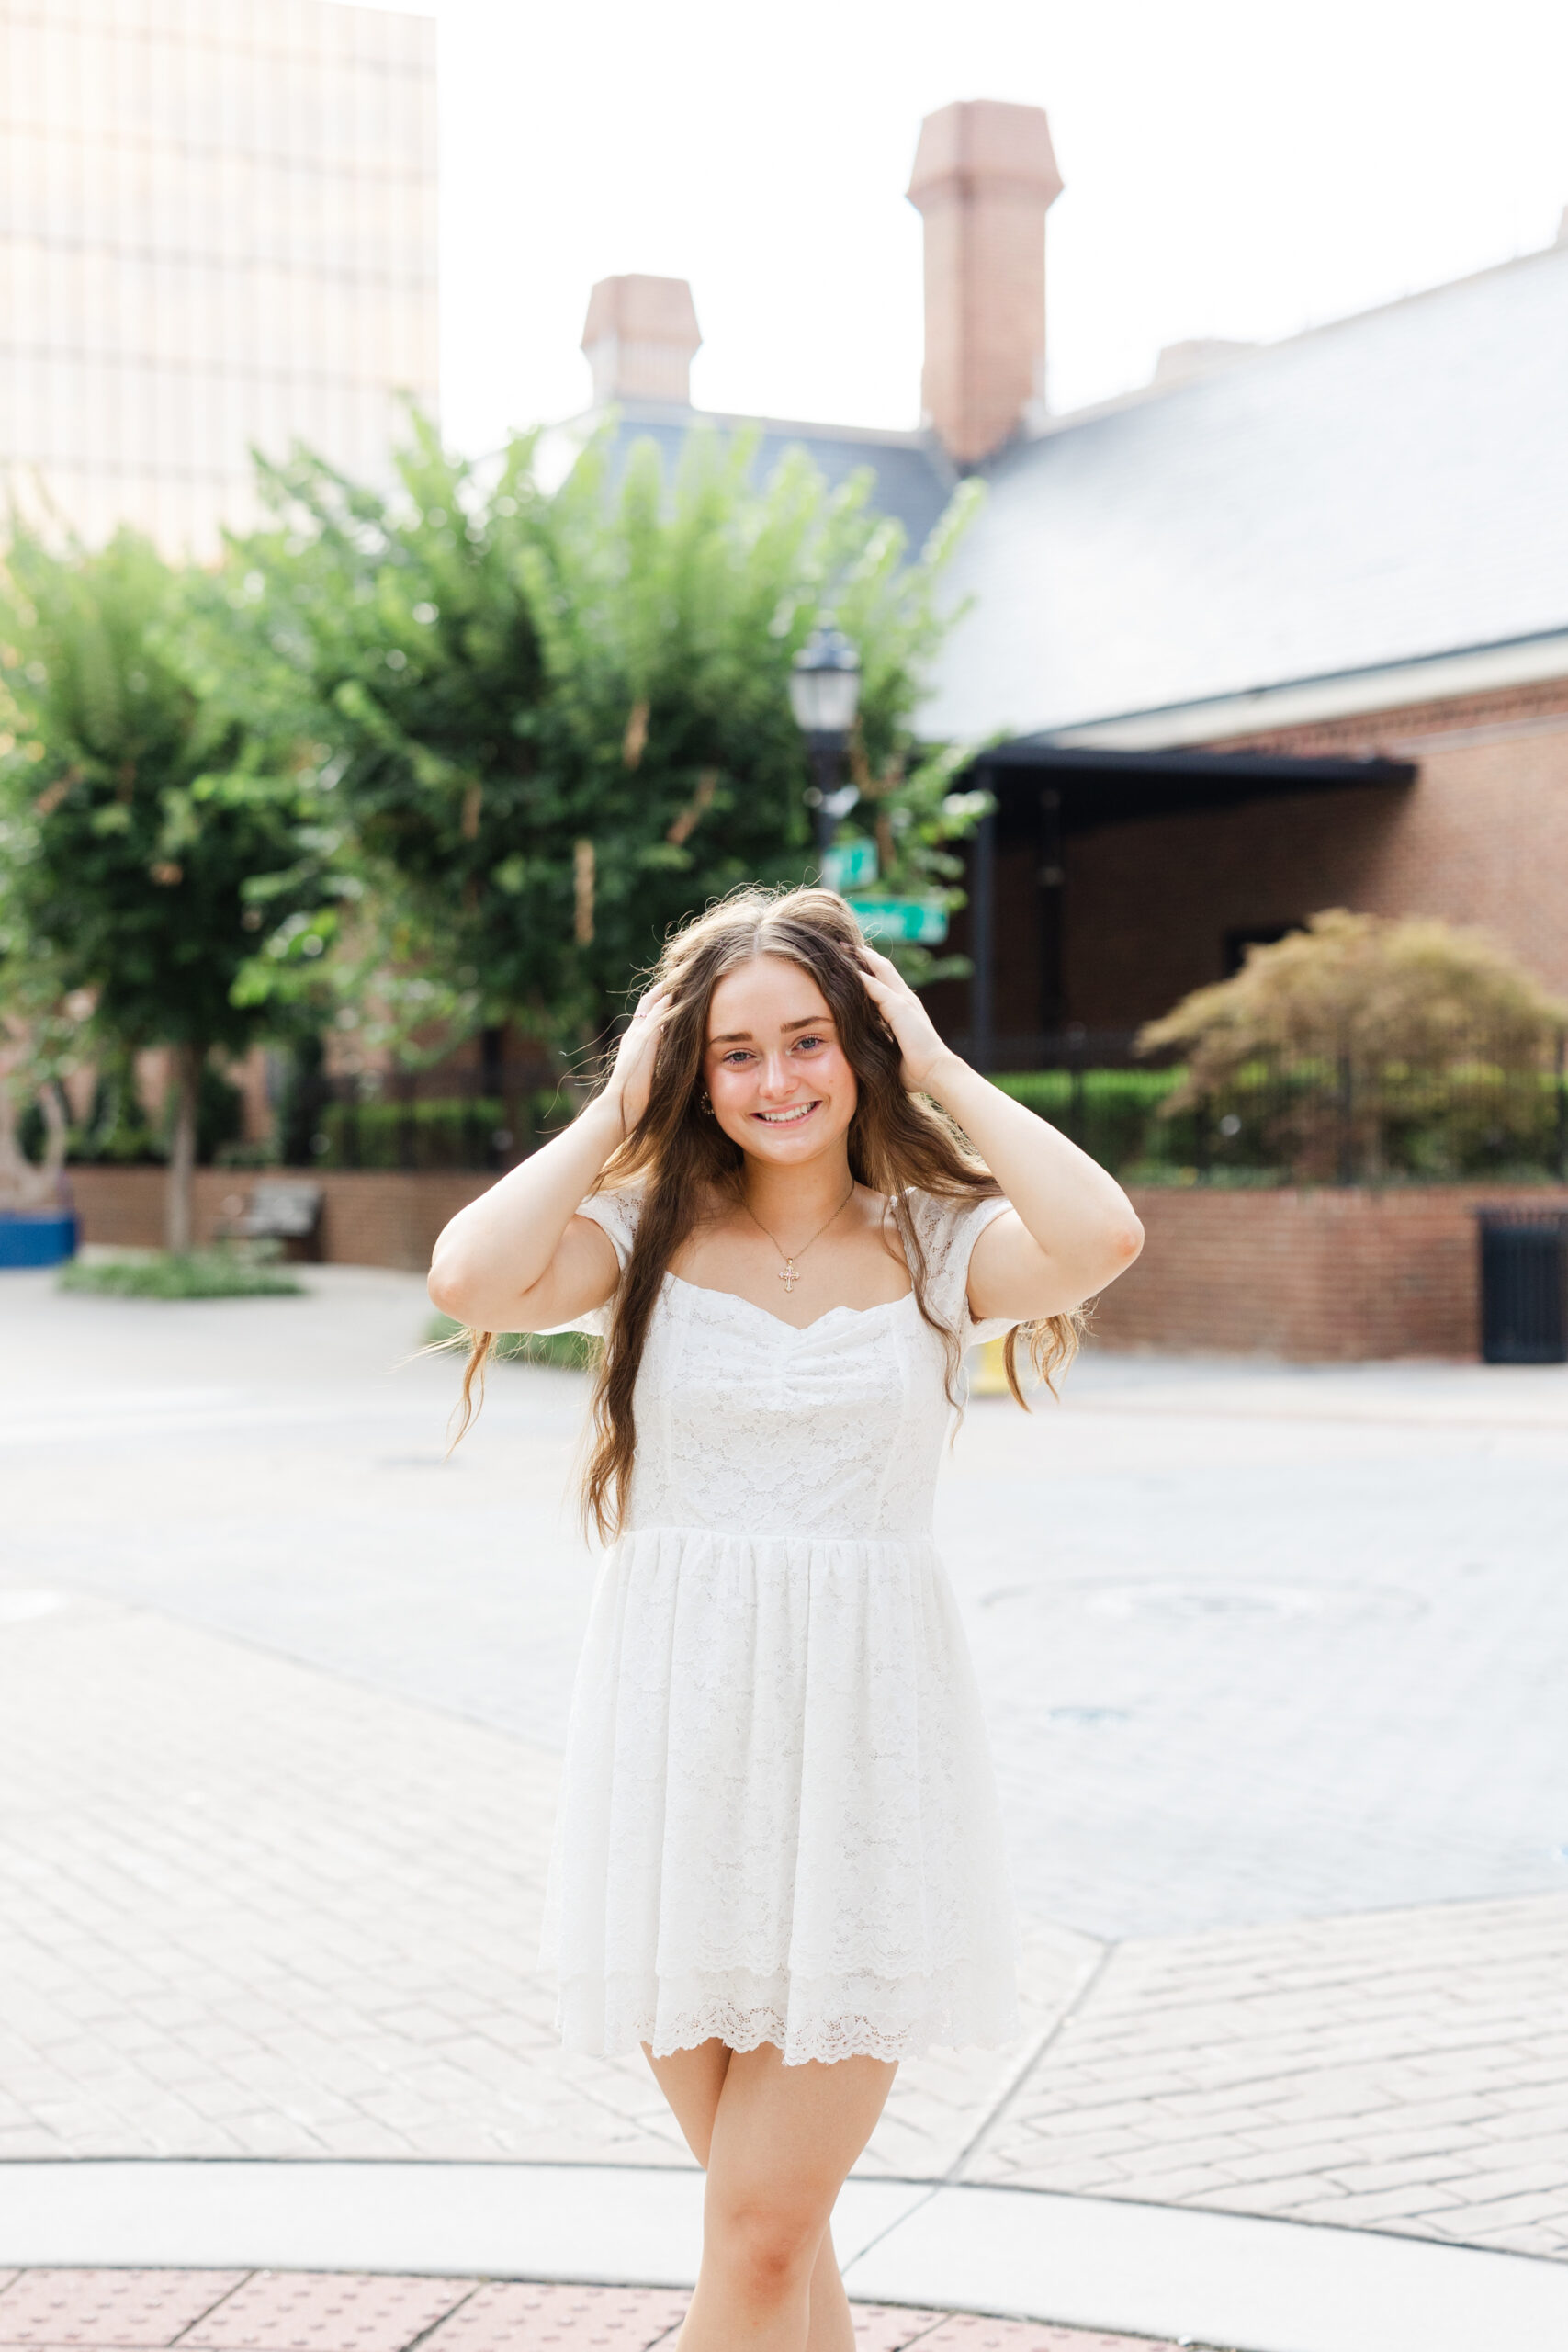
column 559, row 720
column 1358, row 1025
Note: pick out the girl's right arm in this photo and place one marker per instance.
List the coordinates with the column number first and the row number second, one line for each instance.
column 519, row 1258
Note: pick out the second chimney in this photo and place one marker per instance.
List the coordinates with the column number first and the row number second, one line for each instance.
column 985, row 178
column 640, row 337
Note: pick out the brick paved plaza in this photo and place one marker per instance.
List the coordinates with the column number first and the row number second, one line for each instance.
column 216, row 2311
column 1273, row 1660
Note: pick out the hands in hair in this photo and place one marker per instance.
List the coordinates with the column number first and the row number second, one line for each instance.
column 632, row 1075
column 923, row 1051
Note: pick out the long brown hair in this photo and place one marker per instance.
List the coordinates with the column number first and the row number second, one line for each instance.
column 681, row 1159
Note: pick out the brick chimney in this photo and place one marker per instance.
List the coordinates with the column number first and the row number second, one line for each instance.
column 984, row 179
column 640, row 337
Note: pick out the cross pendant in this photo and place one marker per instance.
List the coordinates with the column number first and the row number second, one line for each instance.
column 788, row 1276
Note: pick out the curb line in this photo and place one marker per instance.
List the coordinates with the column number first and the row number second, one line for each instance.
column 1219, row 2279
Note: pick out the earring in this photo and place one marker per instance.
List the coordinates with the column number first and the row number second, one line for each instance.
column 704, row 1104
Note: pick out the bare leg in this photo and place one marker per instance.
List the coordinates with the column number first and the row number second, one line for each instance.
column 831, row 2328
column 692, row 2081
column 777, row 2142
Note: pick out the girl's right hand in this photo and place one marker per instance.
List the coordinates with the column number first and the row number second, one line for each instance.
column 632, row 1076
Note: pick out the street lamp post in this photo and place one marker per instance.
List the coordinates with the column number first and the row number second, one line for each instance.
column 824, row 693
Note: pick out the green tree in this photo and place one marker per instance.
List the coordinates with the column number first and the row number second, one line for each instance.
column 150, row 833
column 561, row 721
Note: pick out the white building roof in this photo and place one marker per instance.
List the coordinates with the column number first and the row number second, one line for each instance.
column 1381, row 492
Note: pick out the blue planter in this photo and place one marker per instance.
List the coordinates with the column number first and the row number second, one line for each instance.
column 42, row 1240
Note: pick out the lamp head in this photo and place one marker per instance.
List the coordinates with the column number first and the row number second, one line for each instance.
column 824, row 687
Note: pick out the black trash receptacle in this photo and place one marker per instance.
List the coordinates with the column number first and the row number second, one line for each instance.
column 1523, row 1285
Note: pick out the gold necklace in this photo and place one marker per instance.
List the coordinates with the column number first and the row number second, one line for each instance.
column 788, row 1274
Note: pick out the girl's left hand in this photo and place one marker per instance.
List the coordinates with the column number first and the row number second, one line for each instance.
column 912, row 1027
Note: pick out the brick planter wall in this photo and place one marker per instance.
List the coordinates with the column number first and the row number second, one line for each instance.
column 369, row 1217
column 1322, row 1275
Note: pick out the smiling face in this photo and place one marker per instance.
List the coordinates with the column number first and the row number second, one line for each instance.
column 778, row 1076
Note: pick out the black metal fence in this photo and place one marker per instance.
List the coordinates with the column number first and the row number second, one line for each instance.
column 1343, row 1120
column 441, row 1118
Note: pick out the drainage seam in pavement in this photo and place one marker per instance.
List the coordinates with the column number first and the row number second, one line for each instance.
column 998, row 2108
column 1031, row 2061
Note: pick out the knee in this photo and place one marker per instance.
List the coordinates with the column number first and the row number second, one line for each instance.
column 768, row 2247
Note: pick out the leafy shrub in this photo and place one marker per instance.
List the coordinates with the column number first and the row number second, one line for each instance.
column 1367, row 1048
column 233, row 1270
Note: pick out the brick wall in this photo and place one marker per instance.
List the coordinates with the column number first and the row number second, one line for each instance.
column 372, row 1217
column 1147, row 904
column 1481, row 837
column 1321, row 1275
column 1316, row 1275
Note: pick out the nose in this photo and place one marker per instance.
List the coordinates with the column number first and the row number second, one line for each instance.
column 778, row 1078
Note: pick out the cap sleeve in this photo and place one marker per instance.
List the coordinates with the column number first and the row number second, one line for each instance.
column 949, row 1230
column 615, row 1214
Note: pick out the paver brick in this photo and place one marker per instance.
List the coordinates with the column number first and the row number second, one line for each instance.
column 279, row 1896
column 890, row 2327
column 277, row 2311
column 1264, row 2166
column 516, row 2318
column 964, row 2332
column 1421, row 2117
column 1545, row 2242
column 1492, row 2216
column 346, row 2313
column 108, row 2307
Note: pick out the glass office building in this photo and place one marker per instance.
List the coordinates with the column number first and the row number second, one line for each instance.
column 217, row 229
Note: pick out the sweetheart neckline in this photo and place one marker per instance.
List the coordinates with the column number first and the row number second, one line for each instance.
column 705, row 1290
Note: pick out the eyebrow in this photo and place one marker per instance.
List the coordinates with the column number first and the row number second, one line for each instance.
column 744, row 1037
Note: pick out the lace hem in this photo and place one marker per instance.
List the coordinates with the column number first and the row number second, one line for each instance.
column 972, row 2006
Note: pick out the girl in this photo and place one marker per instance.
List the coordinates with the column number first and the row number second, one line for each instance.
column 778, row 1862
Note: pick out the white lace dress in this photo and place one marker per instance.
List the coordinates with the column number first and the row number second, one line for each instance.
column 778, row 1821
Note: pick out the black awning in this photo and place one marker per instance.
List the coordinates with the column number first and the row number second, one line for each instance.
column 1111, row 788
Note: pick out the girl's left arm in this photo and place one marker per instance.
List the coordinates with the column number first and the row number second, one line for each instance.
column 1073, row 1229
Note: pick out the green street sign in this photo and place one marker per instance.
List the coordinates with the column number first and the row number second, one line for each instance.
column 849, row 864
column 921, row 920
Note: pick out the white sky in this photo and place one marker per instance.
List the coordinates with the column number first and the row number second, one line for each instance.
column 1234, row 167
